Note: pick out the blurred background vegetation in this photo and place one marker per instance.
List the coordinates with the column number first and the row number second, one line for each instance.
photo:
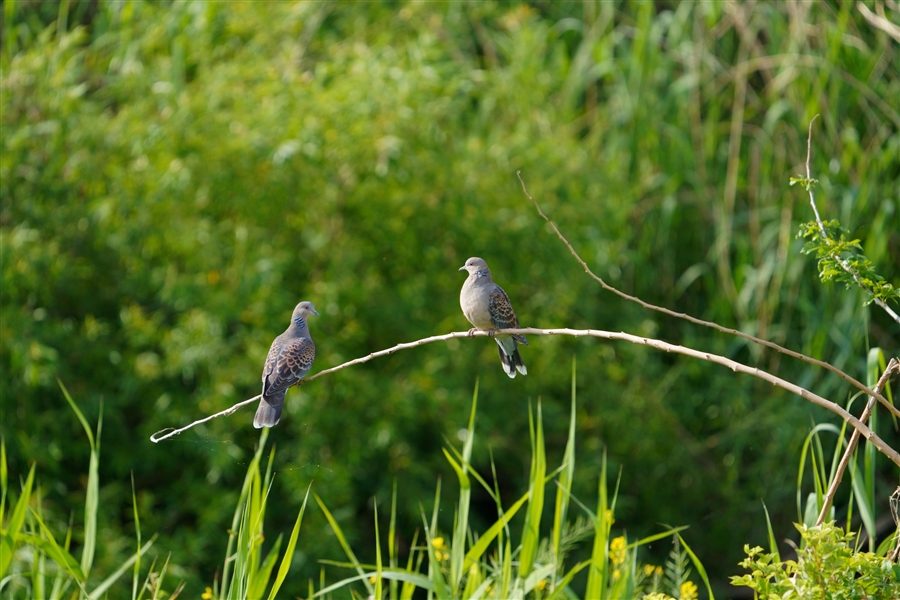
column 175, row 177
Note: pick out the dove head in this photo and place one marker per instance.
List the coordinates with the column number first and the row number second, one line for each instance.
column 302, row 311
column 476, row 266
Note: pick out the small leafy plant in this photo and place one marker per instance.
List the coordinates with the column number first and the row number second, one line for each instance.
column 827, row 566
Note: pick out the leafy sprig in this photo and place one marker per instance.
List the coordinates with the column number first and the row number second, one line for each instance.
column 841, row 260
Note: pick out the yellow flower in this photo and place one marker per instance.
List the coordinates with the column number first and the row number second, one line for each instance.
column 658, row 572
column 617, row 550
column 609, row 517
column 648, row 570
column 372, row 579
column 438, row 555
column 540, row 585
column 688, row 591
column 438, row 542
column 657, row 596
column 207, row 595
column 616, row 573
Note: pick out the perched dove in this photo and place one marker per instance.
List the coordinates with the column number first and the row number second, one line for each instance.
column 487, row 307
column 290, row 358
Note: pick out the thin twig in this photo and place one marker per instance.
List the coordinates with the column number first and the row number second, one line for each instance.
column 841, row 261
column 812, row 200
column 157, row 438
column 893, row 365
column 697, row 321
column 609, row 335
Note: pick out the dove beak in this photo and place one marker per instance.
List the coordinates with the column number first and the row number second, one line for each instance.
column 462, row 268
column 313, row 311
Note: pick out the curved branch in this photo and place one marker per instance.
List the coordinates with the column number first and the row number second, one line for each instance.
column 857, row 384
column 609, row 335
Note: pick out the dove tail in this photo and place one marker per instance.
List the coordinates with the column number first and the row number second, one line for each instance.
column 269, row 412
column 512, row 362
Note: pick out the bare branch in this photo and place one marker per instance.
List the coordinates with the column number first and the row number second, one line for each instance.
column 812, row 199
column 609, row 335
column 672, row 313
column 170, row 432
column 892, row 366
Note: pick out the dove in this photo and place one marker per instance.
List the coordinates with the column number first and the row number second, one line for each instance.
column 487, row 307
column 290, row 358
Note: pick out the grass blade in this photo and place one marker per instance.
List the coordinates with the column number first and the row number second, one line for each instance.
column 114, row 577
column 137, row 531
column 773, row 545
column 289, row 551
column 378, row 568
column 699, row 566
column 16, row 520
column 596, row 583
column 260, row 580
column 565, row 479
column 438, row 585
column 343, row 541
column 92, row 498
column 531, row 532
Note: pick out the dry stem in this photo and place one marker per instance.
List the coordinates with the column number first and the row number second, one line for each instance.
column 892, row 366
column 697, row 321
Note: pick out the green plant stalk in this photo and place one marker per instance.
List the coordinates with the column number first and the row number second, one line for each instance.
column 343, row 542
column 596, row 584
column 531, row 532
column 566, row 478
column 457, row 549
column 91, row 503
column 392, row 537
column 289, row 551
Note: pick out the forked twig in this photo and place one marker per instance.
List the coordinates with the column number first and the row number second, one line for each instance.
column 892, row 366
column 697, row 321
column 609, row 335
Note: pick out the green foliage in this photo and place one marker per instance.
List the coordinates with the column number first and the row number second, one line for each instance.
column 841, row 260
column 827, row 566
column 35, row 563
column 175, row 176
column 245, row 574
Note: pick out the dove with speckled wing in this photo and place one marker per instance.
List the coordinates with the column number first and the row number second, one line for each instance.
column 290, row 359
column 487, row 307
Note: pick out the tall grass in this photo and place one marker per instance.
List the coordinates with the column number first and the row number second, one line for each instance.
column 501, row 562
column 35, row 563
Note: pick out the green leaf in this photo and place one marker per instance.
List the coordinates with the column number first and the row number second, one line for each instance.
column 531, row 531
column 564, row 490
column 342, row 540
column 134, row 559
column 596, row 584
column 16, row 519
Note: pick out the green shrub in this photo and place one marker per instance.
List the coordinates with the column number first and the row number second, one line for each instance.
column 827, row 566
